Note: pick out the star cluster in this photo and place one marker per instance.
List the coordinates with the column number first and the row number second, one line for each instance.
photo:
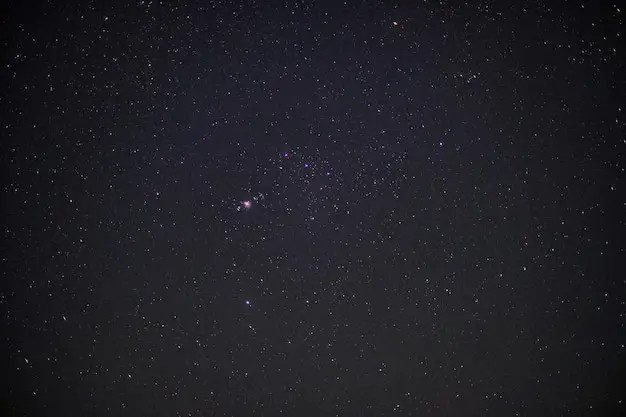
column 313, row 209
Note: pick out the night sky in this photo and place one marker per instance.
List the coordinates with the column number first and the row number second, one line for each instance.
column 313, row 208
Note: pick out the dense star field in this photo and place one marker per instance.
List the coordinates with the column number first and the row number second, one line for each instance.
column 368, row 208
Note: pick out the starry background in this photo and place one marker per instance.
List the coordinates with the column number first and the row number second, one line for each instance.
column 313, row 208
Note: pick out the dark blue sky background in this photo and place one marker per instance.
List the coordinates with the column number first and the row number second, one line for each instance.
column 313, row 209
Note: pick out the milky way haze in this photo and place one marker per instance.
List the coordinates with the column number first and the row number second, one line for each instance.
column 313, row 209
